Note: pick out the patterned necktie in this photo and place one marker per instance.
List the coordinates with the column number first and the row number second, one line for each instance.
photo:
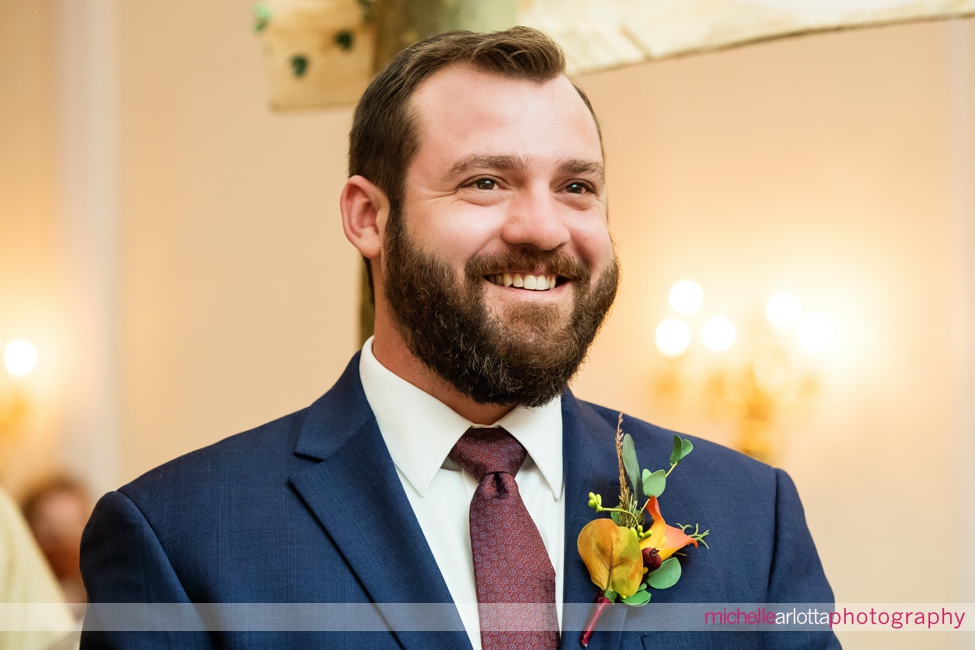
column 514, row 575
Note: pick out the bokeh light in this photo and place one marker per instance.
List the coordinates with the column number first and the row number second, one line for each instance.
column 719, row 333
column 686, row 297
column 19, row 357
column 673, row 337
column 783, row 309
column 815, row 332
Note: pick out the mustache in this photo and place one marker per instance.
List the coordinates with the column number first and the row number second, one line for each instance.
column 557, row 262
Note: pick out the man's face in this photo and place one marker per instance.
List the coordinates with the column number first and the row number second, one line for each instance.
column 499, row 269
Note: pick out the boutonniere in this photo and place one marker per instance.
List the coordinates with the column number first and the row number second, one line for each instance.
column 627, row 555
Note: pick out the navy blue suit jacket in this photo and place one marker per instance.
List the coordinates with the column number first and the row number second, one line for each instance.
column 309, row 509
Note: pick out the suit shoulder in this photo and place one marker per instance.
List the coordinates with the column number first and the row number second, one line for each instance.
column 255, row 453
column 266, row 455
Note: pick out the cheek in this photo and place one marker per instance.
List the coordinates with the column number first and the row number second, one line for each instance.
column 593, row 241
column 458, row 238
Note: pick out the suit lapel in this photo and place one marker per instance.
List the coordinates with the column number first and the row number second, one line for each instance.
column 357, row 496
column 589, row 457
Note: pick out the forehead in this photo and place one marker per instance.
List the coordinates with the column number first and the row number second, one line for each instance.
column 461, row 110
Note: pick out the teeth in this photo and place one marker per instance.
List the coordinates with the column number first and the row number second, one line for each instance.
column 524, row 281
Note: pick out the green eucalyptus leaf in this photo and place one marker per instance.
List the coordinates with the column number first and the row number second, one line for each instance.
column 666, row 575
column 630, row 463
column 682, row 448
column 616, row 517
column 654, row 483
column 675, row 454
column 641, row 597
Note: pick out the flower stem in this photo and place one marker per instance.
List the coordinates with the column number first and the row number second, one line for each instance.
column 601, row 603
column 622, row 511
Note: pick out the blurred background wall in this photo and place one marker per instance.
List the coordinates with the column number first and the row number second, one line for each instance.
column 173, row 248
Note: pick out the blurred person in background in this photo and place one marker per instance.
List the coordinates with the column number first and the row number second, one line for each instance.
column 56, row 511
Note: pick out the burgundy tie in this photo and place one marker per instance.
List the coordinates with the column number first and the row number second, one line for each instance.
column 514, row 575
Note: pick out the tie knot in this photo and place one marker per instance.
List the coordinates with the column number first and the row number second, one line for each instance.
column 488, row 451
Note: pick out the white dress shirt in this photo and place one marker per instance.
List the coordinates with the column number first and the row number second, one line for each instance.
column 420, row 431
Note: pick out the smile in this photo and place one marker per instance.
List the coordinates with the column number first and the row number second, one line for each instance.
column 524, row 281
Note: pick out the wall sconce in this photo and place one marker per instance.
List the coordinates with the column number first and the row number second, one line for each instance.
column 750, row 374
column 19, row 360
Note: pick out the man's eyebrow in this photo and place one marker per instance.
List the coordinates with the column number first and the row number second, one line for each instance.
column 576, row 166
column 509, row 162
column 485, row 161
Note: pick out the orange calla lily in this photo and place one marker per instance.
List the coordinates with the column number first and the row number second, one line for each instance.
column 666, row 539
column 612, row 555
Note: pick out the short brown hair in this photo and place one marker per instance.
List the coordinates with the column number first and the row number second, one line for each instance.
column 384, row 134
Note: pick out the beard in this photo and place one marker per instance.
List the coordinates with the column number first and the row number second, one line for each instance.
column 526, row 354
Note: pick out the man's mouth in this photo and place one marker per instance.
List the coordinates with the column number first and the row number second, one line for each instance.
column 524, row 281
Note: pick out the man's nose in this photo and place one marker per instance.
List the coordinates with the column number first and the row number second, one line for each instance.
column 536, row 219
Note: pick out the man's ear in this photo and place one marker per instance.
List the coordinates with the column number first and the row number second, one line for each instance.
column 364, row 211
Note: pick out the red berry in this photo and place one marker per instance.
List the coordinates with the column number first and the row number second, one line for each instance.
column 651, row 559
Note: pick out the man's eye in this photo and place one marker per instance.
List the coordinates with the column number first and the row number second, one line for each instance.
column 485, row 184
column 578, row 188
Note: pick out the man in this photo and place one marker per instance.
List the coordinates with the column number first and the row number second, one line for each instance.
column 477, row 197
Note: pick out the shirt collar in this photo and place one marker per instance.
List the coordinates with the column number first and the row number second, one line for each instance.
column 419, row 430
